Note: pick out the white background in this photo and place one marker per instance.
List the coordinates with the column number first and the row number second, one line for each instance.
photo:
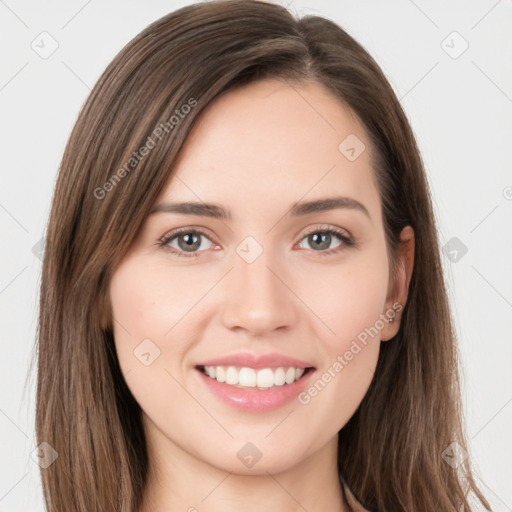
column 460, row 109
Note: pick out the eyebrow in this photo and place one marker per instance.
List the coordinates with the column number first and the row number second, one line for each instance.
column 298, row 209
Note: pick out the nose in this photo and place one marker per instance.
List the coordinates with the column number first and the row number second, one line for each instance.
column 257, row 297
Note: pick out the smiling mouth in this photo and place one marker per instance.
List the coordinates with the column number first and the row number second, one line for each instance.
column 255, row 379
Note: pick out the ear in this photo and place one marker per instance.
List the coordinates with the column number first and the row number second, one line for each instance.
column 399, row 285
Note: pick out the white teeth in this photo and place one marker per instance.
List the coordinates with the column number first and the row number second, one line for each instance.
column 220, row 374
column 247, row 377
column 279, row 377
column 264, row 378
column 231, row 376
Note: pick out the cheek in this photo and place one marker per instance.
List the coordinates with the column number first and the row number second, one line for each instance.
column 150, row 301
column 146, row 307
column 350, row 305
column 349, row 301
column 150, row 309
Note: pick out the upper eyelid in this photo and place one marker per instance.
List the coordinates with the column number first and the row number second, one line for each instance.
column 326, row 227
column 178, row 231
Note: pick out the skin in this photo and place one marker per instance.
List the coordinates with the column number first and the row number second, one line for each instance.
column 257, row 150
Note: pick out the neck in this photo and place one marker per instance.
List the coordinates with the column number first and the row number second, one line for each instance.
column 180, row 481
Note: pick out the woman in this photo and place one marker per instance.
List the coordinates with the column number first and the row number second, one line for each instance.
column 242, row 303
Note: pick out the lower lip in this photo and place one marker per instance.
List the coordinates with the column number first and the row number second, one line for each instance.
column 255, row 399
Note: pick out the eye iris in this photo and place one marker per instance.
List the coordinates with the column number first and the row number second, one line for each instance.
column 323, row 238
column 191, row 242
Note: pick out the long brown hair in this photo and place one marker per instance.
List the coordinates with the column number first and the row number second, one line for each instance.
column 391, row 452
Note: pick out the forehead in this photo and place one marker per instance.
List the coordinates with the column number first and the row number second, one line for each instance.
column 270, row 143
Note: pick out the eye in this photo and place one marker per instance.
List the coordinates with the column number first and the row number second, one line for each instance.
column 321, row 239
column 187, row 242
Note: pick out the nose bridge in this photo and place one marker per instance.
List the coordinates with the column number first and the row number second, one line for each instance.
column 257, row 298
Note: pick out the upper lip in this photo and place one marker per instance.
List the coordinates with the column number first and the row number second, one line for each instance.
column 248, row 360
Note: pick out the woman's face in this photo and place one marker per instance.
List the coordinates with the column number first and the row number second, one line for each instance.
column 255, row 290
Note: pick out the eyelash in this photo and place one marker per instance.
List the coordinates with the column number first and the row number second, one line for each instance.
column 346, row 240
